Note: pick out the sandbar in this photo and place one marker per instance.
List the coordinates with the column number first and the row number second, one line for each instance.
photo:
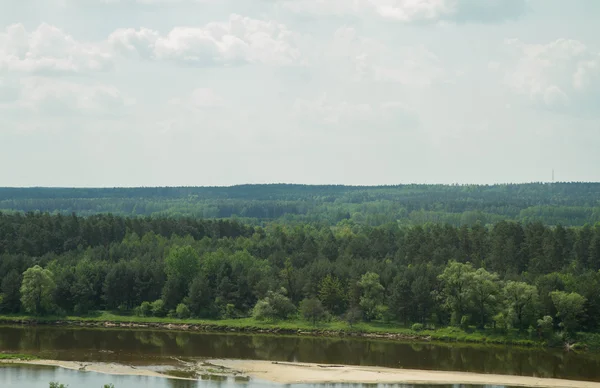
column 304, row 373
column 98, row 367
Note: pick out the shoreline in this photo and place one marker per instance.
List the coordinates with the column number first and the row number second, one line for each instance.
column 306, row 373
column 441, row 336
column 285, row 373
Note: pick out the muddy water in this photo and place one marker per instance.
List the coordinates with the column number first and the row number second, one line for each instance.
column 159, row 347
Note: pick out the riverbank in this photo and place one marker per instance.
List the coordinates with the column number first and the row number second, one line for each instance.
column 373, row 330
column 302, row 373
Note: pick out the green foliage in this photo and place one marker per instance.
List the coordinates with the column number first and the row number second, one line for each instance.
column 371, row 297
column 144, row 310
column 569, row 307
column 522, row 304
column 58, row 385
column 13, row 356
column 158, row 308
column 182, row 311
column 546, row 327
column 312, row 310
column 353, row 316
column 417, row 327
column 274, row 306
column 457, row 282
column 333, row 295
column 37, row 290
column 499, row 276
column 10, row 295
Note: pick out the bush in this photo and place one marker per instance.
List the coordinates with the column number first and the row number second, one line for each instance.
column 182, row 311
column 312, row 310
column 143, row 310
column 546, row 327
column 417, row 327
column 274, row 306
column 158, row 308
column 353, row 315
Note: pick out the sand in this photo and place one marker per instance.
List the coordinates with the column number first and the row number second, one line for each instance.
column 98, row 367
column 295, row 373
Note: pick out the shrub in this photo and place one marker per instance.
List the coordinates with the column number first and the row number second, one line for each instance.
column 143, row 310
column 274, row 306
column 182, row 311
column 158, row 308
column 312, row 310
column 417, row 327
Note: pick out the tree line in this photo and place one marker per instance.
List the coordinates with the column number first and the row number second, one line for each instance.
column 572, row 204
column 508, row 275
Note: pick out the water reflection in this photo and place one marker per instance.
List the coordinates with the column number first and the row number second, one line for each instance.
column 39, row 377
column 151, row 346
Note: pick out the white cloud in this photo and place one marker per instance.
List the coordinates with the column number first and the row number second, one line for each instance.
column 200, row 99
column 48, row 49
column 237, row 41
column 374, row 61
column 560, row 74
column 414, row 10
column 9, row 91
column 362, row 116
column 58, row 98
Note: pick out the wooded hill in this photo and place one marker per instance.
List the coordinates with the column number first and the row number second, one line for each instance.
column 558, row 203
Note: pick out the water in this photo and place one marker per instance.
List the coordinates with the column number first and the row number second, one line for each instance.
column 39, row 377
column 151, row 347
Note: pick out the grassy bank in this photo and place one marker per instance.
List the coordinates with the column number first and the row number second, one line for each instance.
column 294, row 327
column 16, row 357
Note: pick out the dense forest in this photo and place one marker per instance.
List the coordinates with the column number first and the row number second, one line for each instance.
column 568, row 204
column 529, row 276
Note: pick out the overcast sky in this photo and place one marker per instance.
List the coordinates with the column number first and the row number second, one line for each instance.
column 221, row 92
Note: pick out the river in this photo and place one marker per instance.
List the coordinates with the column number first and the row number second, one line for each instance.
column 153, row 347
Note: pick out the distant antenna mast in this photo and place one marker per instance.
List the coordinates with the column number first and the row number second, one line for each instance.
column 552, row 175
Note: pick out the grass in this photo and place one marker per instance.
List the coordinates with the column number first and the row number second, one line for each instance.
column 19, row 357
column 335, row 327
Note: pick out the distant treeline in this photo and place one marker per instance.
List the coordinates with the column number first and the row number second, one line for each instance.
column 569, row 204
column 527, row 276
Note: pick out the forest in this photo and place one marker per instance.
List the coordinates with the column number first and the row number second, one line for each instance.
column 528, row 276
column 567, row 204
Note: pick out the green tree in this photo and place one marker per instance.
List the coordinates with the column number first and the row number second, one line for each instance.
column 312, row 310
column 570, row 308
column 457, row 282
column 182, row 311
column 158, row 308
column 37, row 289
column 199, row 297
column 274, row 306
column 484, row 292
column 522, row 299
column 182, row 265
column 11, row 294
column 333, row 295
column 371, row 298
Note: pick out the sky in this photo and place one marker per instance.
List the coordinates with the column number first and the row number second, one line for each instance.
column 104, row 93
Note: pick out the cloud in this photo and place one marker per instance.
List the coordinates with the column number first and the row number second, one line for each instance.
column 49, row 50
column 240, row 40
column 410, row 11
column 54, row 97
column 372, row 60
column 9, row 91
column 563, row 75
column 363, row 116
column 200, row 99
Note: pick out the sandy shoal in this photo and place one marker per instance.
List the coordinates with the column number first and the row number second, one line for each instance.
column 98, row 367
column 296, row 373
